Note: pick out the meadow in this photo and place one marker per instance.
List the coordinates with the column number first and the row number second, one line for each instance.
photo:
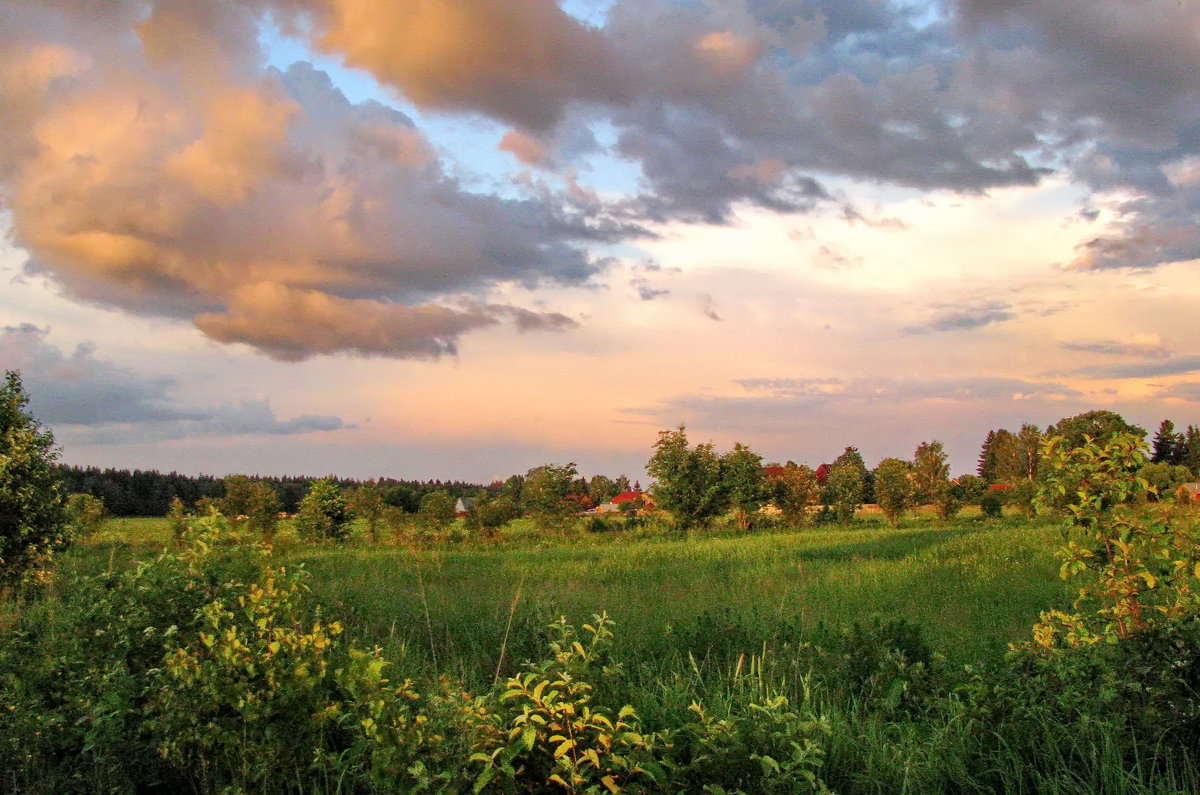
column 859, row 658
column 973, row 585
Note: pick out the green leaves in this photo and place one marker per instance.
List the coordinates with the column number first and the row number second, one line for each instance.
column 32, row 520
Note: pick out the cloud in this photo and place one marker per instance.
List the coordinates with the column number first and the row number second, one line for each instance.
column 522, row 62
column 1115, row 81
column 964, row 318
column 1188, row 390
column 1149, row 346
column 189, row 182
column 152, row 162
column 872, row 390
column 79, row 391
column 1177, row 365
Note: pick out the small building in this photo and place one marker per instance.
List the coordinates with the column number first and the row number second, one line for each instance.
column 622, row 502
column 464, row 506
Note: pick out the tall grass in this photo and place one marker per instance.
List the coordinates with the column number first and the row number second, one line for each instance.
column 974, row 587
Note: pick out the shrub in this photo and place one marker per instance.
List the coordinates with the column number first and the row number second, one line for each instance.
column 86, row 514
column 324, row 514
column 991, row 505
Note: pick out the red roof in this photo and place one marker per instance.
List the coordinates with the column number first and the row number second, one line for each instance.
column 626, row 496
column 773, row 472
column 822, row 473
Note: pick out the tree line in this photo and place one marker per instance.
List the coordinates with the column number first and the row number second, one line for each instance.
column 150, row 493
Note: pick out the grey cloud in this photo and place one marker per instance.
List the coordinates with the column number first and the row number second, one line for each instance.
column 964, row 318
column 1177, row 365
column 78, row 389
column 1189, row 391
column 1117, row 81
column 256, row 416
column 1149, row 350
column 901, row 390
column 645, row 291
column 80, row 392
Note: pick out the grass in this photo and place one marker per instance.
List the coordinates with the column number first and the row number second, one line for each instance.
column 972, row 585
column 732, row 620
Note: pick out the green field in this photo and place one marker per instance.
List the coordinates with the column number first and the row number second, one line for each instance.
column 863, row 658
column 972, row 585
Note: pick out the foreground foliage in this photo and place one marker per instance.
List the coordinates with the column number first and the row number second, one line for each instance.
column 32, row 518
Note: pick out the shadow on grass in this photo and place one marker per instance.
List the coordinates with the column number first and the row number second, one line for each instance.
column 891, row 547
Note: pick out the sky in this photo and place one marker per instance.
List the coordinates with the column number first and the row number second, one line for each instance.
column 457, row 239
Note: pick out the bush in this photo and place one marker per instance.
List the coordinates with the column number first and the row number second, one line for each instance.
column 86, row 514
column 324, row 514
column 601, row 524
column 991, row 505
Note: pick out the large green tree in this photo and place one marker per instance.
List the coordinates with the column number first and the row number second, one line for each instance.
column 32, row 518
column 745, row 485
column 546, row 494
column 793, row 491
column 1100, row 426
column 930, row 473
column 688, row 481
column 844, row 491
column 852, row 457
column 895, row 489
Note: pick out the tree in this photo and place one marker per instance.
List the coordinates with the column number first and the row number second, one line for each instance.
column 844, row 491
column 852, row 457
column 547, row 492
column 1169, row 447
column 490, row 514
column 262, row 515
column 794, row 490
column 239, row 497
column 323, row 512
column 1163, row 478
column 969, row 489
column 1191, row 450
column 437, row 510
column 929, row 472
column 688, row 482
column 895, row 490
column 1028, row 451
column 948, row 500
column 601, row 489
column 86, row 514
column 366, row 503
column 1100, row 426
column 742, row 471
column 32, row 519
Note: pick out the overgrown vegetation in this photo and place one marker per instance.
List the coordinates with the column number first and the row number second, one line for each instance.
column 231, row 650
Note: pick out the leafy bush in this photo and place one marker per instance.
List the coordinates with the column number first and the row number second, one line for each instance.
column 324, row 514
column 991, row 505
column 86, row 514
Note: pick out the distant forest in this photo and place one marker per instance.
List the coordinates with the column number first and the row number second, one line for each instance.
column 149, row 492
